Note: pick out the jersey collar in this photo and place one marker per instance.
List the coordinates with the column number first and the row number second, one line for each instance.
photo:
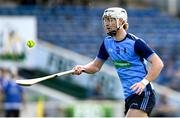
column 122, row 39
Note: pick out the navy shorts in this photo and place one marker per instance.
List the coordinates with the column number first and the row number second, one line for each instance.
column 145, row 102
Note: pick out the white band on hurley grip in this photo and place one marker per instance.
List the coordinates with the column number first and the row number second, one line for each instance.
column 145, row 82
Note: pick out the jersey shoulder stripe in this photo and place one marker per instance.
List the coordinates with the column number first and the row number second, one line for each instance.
column 132, row 36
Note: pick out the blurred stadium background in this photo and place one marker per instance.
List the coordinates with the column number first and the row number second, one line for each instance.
column 69, row 32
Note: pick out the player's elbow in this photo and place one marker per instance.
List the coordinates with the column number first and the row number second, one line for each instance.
column 160, row 65
column 157, row 62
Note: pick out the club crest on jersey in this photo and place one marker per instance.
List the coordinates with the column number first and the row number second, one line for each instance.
column 118, row 50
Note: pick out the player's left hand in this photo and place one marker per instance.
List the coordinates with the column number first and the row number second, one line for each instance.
column 138, row 87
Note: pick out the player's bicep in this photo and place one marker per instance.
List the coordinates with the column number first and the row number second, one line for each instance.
column 154, row 59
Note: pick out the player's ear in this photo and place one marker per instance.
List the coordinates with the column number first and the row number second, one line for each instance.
column 126, row 26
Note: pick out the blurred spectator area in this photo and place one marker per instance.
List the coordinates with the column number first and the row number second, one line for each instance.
column 80, row 29
column 65, row 2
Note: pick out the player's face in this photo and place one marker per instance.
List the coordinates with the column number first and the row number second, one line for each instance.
column 109, row 24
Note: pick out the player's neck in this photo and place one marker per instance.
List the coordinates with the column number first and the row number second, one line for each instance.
column 121, row 34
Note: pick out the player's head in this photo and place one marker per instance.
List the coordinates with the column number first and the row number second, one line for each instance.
column 114, row 19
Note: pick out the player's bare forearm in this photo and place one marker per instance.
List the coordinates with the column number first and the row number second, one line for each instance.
column 90, row 68
column 93, row 66
column 155, row 68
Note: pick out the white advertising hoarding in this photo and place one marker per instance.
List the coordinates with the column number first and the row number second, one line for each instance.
column 15, row 31
column 17, row 28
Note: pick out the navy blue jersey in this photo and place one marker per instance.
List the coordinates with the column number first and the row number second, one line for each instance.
column 128, row 57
